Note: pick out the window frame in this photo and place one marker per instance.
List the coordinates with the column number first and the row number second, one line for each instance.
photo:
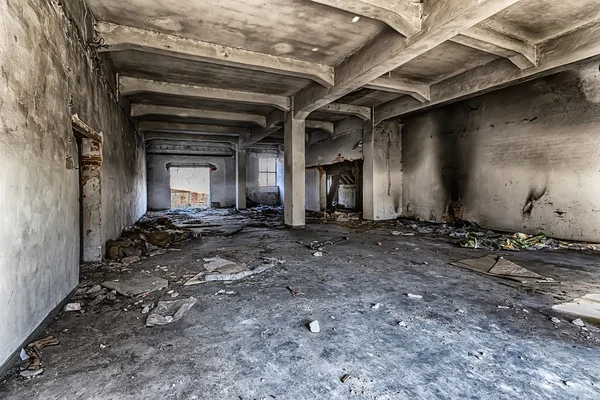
column 267, row 166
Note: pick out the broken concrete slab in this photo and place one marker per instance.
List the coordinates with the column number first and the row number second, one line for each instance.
column 502, row 268
column 167, row 312
column 228, row 273
column 137, row 285
column 213, row 263
column 587, row 306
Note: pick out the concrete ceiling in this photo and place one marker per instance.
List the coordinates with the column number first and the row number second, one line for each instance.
column 396, row 56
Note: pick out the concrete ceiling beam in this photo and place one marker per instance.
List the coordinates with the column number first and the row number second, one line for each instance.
column 403, row 16
column 119, row 37
column 138, row 110
column 519, row 52
column 555, row 55
column 273, row 124
column 322, row 125
column 419, row 91
column 442, row 20
column 361, row 112
column 130, row 86
column 149, row 136
column 147, row 126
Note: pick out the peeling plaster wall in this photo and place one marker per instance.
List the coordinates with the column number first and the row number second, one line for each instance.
column 324, row 149
column 47, row 74
column 526, row 158
column 222, row 181
column 261, row 195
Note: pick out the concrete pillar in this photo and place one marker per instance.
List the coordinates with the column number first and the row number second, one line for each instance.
column 382, row 170
column 240, row 174
column 294, row 161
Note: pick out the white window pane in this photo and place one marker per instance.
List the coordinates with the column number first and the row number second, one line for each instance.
column 271, row 165
column 262, row 179
column 271, row 180
column 262, row 166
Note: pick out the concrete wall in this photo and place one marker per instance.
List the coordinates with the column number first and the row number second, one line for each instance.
column 526, row 158
column 262, row 195
column 47, row 73
column 222, row 181
column 316, row 189
column 324, row 149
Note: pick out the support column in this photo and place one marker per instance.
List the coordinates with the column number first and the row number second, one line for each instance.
column 382, row 170
column 295, row 169
column 240, row 169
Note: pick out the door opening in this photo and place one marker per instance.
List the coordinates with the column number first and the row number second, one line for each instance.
column 190, row 187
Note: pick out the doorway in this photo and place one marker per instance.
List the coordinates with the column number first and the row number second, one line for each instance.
column 190, row 187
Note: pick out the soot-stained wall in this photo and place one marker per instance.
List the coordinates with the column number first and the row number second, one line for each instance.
column 526, row 158
column 48, row 72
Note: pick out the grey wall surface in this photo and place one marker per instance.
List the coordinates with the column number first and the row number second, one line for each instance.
column 314, row 188
column 222, row 181
column 262, row 195
column 537, row 143
column 324, row 149
column 47, row 75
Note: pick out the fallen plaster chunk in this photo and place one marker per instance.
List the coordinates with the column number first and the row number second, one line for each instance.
column 555, row 320
column 314, row 326
column 578, row 322
column 137, row 285
column 403, row 324
column 169, row 311
column 414, row 296
column 72, row 307
column 587, row 306
column 318, row 254
column 228, row 273
column 376, row 306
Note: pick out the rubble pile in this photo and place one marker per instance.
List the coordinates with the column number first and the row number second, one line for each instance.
column 146, row 238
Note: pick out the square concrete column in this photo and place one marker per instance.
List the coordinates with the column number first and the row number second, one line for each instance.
column 382, row 170
column 294, row 147
column 240, row 178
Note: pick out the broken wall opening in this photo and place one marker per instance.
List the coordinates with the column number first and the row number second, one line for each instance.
column 344, row 186
column 90, row 190
column 190, row 185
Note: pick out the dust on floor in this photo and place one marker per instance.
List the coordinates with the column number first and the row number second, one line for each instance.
column 396, row 321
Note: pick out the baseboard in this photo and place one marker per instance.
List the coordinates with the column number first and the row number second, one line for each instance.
column 10, row 363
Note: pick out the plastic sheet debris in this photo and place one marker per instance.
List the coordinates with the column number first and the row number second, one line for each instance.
column 213, row 263
column 502, row 268
column 167, row 312
column 587, row 306
column 137, row 285
column 34, row 367
column 228, row 272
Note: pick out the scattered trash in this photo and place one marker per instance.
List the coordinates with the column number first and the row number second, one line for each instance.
column 169, row 311
column 587, row 306
column 72, row 307
column 147, row 308
column 129, row 260
column 403, row 324
column 295, row 292
column 345, row 378
column 103, row 346
column 502, row 268
column 379, row 244
column 318, row 254
column 314, row 326
column 376, row 306
column 174, row 294
column 414, row 296
column 137, row 285
column 316, row 244
column 555, row 320
column 503, row 307
column 578, row 322
column 23, row 354
column 34, row 368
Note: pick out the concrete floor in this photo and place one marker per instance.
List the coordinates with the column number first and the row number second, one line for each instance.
column 457, row 343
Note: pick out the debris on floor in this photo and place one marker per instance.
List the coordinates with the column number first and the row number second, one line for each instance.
column 214, row 263
column 294, row 291
column 414, row 296
column 167, row 312
column 145, row 237
column 72, row 307
column 34, row 367
column 137, row 285
column 502, row 268
column 578, row 322
column 228, row 272
column 314, row 326
column 587, row 306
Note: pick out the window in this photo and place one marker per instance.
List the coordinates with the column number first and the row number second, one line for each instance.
column 267, row 172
